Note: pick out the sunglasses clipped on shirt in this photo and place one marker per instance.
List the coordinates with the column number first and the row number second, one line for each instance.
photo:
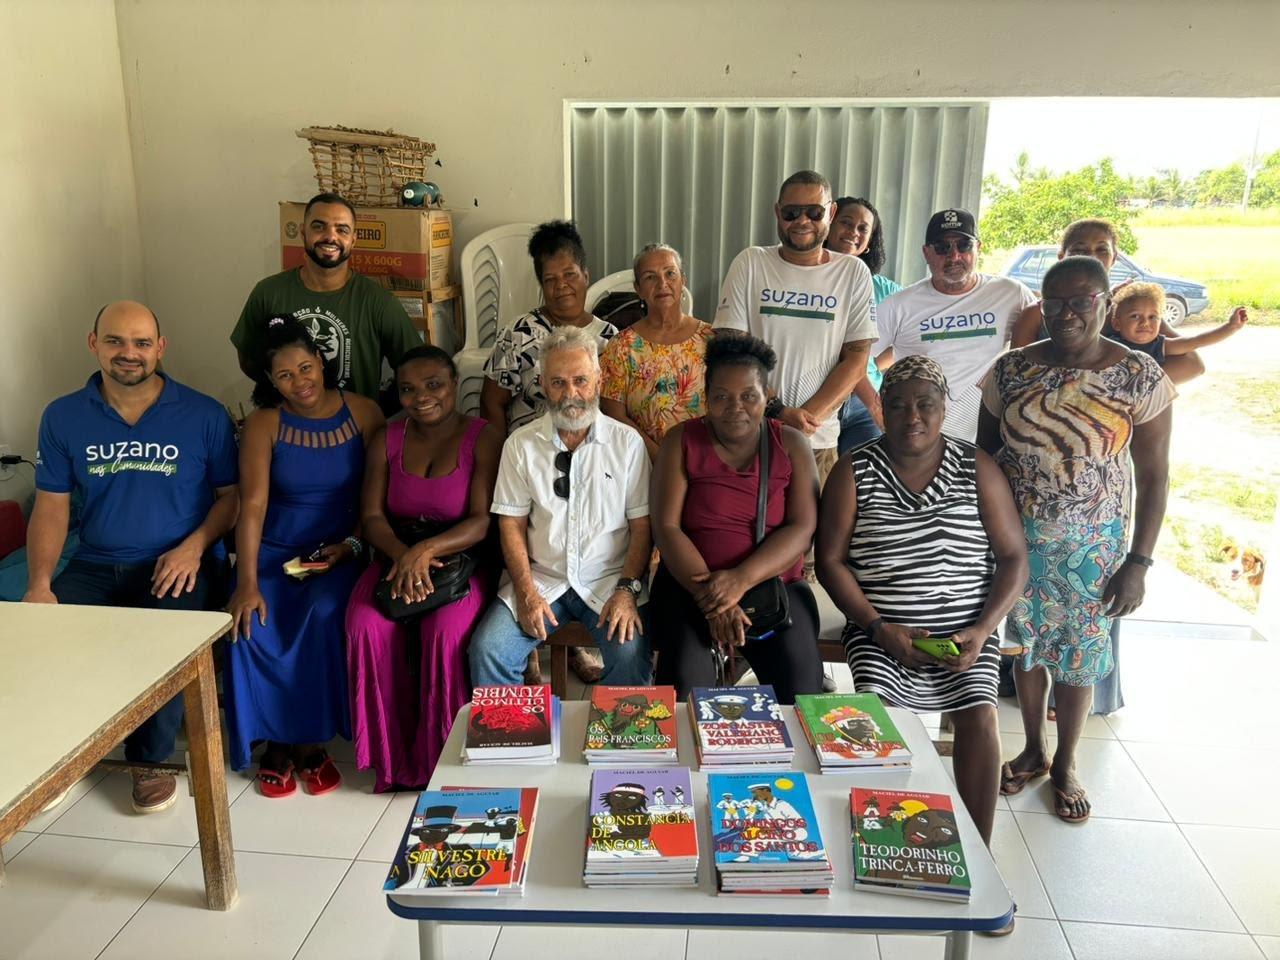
column 1052, row 307
column 561, row 483
column 815, row 212
column 943, row 247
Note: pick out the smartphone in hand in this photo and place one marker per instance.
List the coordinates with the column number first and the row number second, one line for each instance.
column 938, row 647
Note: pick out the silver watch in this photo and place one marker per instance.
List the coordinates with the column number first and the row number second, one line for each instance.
column 631, row 584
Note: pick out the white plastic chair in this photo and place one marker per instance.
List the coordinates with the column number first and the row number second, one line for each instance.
column 624, row 280
column 470, row 365
column 498, row 285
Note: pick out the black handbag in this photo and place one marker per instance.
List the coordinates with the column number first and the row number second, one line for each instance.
column 452, row 581
column 766, row 604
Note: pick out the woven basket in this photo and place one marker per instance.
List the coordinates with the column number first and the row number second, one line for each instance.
column 367, row 167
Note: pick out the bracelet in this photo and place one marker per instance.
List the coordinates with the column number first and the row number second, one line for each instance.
column 773, row 408
column 1140, row 559
column 357, row 547
column 871, row 628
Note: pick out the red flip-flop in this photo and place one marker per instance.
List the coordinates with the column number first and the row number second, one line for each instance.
column 322, row 779
column 276, row 783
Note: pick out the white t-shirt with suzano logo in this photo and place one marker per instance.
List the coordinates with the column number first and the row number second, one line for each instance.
column 807, row 314
column 964, row 334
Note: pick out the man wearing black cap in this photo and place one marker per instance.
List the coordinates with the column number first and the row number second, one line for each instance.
column 959, row 317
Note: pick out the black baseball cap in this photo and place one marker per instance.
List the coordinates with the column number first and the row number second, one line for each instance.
column 953, row 220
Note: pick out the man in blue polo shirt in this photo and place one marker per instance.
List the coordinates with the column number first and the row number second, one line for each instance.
column 156, row 465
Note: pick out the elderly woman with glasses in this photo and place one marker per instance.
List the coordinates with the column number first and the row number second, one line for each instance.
column 1064, row 417
column 651, row 373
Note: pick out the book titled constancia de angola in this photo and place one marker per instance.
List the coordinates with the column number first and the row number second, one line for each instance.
column 640, row 828
column 907, row 842
column 464, row 840
column 739, row 727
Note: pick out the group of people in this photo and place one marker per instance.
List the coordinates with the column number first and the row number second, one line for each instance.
column 827, row 425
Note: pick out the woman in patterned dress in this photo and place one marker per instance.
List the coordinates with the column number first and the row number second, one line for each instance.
column 918, row 536
column 1063, row 416
column 652, row 373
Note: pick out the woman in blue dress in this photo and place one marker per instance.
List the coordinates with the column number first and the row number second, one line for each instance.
column 301, row 463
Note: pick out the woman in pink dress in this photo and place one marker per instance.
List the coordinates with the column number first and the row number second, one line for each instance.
column 408, row 680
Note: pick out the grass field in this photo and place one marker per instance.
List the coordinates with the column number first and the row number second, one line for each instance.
column 1236, row 254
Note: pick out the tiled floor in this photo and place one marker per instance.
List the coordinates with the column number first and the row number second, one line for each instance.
column 1178, row 862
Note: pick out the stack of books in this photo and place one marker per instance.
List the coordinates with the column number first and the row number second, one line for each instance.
column 515, row 724
column 466, row 840
column 851, row 732
column 907, row 842
column 738, row 727
column 640, row 829
column 765, row 835
column 631, row 725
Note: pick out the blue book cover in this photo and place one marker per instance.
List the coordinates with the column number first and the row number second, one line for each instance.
column 738, row 719
column 763, row 819
column 464, row 838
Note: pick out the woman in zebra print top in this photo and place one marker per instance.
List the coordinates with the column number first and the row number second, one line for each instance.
column 918, row 537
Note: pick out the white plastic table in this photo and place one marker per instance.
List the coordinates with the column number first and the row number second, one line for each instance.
column 76, row 680
column 554, row 893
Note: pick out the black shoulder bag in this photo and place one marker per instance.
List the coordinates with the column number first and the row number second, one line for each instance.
column 766, row 603
column 452, row 581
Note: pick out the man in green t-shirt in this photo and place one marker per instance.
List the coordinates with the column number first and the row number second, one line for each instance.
column 356, row 323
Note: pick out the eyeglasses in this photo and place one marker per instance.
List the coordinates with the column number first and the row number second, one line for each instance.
column 561, row 484
column 943, row 247
column 816, row 212
column 1053, row 307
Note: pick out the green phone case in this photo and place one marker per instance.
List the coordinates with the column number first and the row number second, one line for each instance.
column 937, row 647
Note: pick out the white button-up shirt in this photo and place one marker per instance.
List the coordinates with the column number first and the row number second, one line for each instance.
column 580, row 543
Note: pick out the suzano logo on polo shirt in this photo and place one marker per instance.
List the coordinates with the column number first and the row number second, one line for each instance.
column 131, row 456
column 795, row 303
column 958, row 326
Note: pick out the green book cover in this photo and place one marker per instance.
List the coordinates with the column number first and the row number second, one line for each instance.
column 851, row 728
column 908, row 840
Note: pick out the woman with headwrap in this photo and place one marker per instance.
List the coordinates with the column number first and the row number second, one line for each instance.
column 919, row 540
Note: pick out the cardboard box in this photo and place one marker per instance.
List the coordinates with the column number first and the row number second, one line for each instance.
column 403, row 248
column 438, row 314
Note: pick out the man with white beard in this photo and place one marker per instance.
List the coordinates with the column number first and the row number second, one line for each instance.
column 572, row 500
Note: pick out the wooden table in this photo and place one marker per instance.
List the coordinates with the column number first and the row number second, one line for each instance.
column 76, row 680
column 554, row 893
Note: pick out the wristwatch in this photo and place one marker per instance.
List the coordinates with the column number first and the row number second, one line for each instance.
column 631, row 584
column 773, row 408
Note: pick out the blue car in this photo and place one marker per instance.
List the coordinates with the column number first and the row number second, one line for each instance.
column 1183, row 298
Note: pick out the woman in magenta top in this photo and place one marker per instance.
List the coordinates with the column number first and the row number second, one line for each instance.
column 408, row 681
column 705, row 489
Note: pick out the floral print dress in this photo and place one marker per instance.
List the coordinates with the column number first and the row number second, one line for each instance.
column 660, row 384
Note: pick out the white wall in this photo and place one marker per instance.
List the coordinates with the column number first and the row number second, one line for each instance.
column 216, row 91
column 66, row 192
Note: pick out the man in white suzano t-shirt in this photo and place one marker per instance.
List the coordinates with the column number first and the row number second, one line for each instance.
column 959, row 317
column 814, row 306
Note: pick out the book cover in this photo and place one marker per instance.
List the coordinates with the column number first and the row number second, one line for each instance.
column 746, row 719
column 515, row 717
column 464, row 839
column 641, row 814
column 763, row 819
column 851, row 727
column 631, row 718
column 907, row 839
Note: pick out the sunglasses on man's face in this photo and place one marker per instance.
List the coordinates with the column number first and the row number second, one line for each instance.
column 943, row 247
column 561, row 483
column 1053, row 307
column 815, row 212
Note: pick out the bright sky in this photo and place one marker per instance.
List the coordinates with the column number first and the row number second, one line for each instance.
column 1141, row 136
